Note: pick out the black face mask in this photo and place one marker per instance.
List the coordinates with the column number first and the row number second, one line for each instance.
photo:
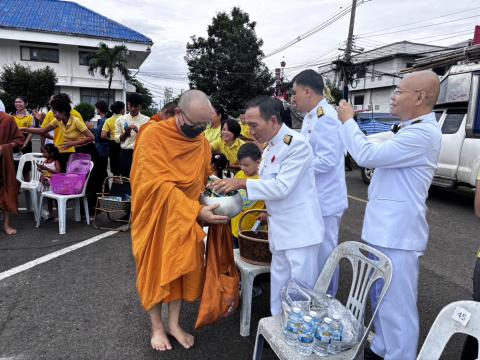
column 192, row 131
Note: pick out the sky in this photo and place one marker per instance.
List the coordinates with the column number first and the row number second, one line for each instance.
column 170, row 24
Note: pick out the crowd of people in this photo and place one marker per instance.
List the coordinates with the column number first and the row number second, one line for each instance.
column 299, row 177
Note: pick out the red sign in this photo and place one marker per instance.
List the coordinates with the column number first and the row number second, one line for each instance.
column 476, row 37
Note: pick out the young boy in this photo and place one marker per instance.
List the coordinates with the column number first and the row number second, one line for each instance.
column 249, row 156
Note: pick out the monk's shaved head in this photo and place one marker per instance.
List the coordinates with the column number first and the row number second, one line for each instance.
column 427, row 81
column 194, row 109
column 416, row 95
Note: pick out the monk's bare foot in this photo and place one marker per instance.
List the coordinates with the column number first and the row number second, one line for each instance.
column 184, row 338
column 9, row 230
column 160, row 340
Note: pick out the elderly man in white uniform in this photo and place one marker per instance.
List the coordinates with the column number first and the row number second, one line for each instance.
column 322, row 129
column 287, row 185
column 395, row 218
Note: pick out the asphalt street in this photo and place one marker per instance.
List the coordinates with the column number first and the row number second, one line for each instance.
column 84, row 305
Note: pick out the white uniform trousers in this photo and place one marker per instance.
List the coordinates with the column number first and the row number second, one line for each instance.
column 300, row 264
column 330, row 242
column 396, row 322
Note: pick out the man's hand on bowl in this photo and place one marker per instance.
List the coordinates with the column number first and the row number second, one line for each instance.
column 206, row 215
column 225, row 186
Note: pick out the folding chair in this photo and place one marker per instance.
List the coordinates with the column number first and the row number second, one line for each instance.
column 365, row 272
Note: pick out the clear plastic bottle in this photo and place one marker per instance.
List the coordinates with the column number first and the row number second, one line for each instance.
column 323, row 336
column 315, row 319
column 305, row 337
column 294, row 323
column 337, row 335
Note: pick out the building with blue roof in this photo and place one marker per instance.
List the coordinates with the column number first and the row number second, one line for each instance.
column 62, row 34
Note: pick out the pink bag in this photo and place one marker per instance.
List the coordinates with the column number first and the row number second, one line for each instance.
column 68, row 184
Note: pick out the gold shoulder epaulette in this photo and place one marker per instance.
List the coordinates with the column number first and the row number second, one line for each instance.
column 287, row 139
column 320, row 112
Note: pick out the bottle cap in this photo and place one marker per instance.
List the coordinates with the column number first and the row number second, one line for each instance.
column 336, row 317
column 296, row 310
column 313, row 314
column 307, row 318
column 327, row 320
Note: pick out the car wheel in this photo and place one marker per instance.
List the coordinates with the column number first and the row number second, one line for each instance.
column 366, row 175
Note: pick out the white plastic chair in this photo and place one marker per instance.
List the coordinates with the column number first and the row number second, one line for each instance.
column 33, row 185
column 449, row 322
column 365, row 272
column 62, row 204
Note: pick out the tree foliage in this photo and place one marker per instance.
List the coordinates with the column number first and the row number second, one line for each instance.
column 227, row 63
column 37, row 85
column 107, row 60
column 87, row 110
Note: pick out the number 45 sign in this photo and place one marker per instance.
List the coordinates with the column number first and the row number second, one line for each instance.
column 461, row 315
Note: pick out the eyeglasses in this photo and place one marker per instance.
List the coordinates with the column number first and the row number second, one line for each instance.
column 397, row 91
column 193, row 123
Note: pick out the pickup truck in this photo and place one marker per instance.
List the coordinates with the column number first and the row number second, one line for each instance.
column 458, row 114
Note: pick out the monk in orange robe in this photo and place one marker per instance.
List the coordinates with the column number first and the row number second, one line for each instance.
column 10, row 138
column 167, row 111
column 170, row 169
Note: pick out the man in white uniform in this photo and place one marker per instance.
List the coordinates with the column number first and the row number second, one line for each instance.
column 322, row 129
column 395, row 218
column 287, row 185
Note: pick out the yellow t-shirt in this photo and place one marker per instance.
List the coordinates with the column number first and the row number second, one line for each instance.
column 245, row 132
column 229, row 151
column 250, row 219
column 73, row 131
column 109, row 126
column 24, row 122
column 212, row 134
column 58, row 134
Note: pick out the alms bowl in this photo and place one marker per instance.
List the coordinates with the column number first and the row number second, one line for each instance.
column 230, row 205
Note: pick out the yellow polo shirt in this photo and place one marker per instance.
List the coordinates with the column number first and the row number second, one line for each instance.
column 58, row 134
column 212, row 134
column 245, row 132
column 72, row 131
column 229, row 151
column 109, row 126
column 250, row 219
column 23, row 122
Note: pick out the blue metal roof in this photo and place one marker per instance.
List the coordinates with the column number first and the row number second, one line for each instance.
column 64, row 17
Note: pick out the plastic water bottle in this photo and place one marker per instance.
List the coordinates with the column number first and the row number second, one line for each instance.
column 323, row 336
column 337, row 335
column 305, row 337
column 315, row 319
column 294, row 323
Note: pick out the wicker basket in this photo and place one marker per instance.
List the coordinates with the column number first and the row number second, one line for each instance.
column 107, row 204
column 254, row 247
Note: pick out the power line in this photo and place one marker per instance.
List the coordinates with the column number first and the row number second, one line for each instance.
column 420, row 21
column 420, row 27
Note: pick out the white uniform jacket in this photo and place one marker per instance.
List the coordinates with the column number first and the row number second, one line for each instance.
column 287, row 185
column 395, row 216
column 322, row 129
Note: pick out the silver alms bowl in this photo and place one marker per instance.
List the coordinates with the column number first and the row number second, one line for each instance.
column 229, row 205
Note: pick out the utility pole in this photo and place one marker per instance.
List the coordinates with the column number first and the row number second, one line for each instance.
column 348, row 52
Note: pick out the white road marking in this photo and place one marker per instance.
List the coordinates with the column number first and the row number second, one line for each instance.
column 48, row 257
column 358, row 199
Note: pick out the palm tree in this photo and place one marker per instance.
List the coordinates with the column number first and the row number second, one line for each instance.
column 107, row 60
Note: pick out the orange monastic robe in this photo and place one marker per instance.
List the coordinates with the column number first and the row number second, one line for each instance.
column 169, row 173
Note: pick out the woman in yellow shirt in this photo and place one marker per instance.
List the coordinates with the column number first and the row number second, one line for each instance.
column 229, row 144
column 24, row 120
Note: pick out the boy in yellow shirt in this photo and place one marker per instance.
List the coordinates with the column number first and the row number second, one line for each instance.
column 249, row 156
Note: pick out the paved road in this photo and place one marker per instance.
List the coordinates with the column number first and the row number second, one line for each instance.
column 83, row 305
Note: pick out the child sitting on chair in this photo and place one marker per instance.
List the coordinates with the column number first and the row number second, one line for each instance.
column 51, row 165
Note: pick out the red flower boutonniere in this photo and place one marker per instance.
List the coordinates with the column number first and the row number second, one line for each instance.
column 273, row 158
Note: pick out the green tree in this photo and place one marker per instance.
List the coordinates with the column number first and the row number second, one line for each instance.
column 107, row 60
column 87, row 110
column 37, row 85
column 227, row 63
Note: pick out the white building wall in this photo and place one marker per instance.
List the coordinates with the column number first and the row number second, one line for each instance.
column 71, row 75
